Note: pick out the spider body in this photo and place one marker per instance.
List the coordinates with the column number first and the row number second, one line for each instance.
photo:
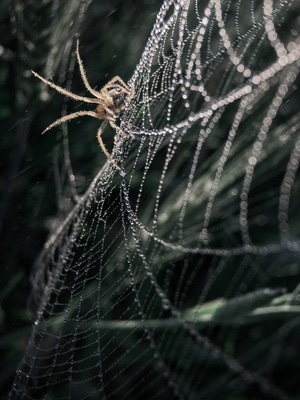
column 110, row 102
column 113, row 97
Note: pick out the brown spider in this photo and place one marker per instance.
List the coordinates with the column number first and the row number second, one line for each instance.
column 111, row 102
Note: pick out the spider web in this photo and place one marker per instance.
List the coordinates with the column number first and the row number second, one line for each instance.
column 177, row 277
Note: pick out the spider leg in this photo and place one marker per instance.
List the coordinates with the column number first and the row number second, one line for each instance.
column 131, row 94
column 109, row 113
column 102, row 145
column 66, row 92
column 115, row 126
column 83, row 74
column 69, row 117
column 118, row 79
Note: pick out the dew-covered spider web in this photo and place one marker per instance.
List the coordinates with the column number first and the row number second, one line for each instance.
column 177, row 277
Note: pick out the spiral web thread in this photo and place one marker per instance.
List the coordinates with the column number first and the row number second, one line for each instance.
column 130, row 289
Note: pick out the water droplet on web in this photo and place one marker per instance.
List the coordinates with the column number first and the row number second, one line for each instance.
column 165, row 304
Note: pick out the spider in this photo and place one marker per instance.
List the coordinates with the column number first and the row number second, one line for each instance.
column 111, row 102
